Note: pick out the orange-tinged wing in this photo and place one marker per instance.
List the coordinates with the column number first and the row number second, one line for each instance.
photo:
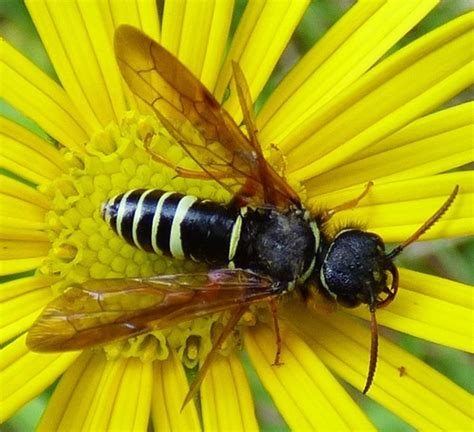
column 197, row 121
column 101, row 311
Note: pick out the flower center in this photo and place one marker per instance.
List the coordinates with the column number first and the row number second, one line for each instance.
column 85, row 247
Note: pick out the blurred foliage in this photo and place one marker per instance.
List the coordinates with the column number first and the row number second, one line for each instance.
column 451, row 259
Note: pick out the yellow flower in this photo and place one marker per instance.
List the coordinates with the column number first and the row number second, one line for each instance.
column 341, row 117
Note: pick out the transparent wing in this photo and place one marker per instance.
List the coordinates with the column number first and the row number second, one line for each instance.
column 196, row 120
column 101, row 311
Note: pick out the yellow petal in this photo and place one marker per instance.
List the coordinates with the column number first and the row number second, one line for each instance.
column 458, row 227
column 107, row 76
column 125, row 379
column 173, row 17
column 21, row 209
column 11, row 232
column 38, row 97
column 435, row 124
column 340, row 57
column 18, row 326
column 132, row 403
column 18, row 229
column 11, row 249
column 27, row 155
column 396, row 210
column 226, row 399
column 407, row 85
column 19, row 190
column 198, row 37
column 20, row 303
column 412, row 390
column 98, row 394
column 263, row 33
column 419, row 314
column 170, row 387
column 438, row 288
column 18, row 287
column 100, row 412
column 15, row 163
column 8, row 222
column 142, row 14
column 24, row 136
column 75, row 39
column 25, row 374
column 304, row 391
column 13, row 266
column 73, row 394
column 436, row 143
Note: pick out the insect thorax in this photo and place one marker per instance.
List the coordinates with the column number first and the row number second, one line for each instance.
column 280, row 245
column 272, row 243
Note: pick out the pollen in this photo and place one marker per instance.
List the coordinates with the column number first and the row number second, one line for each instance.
column 119, row 158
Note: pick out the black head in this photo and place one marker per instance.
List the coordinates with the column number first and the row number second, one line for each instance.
column 356, row 270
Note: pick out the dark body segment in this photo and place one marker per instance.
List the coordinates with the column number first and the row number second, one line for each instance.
column 281, row 245
column 144, row 227
column 164, row 224
column 178, row 225
column 207, row 231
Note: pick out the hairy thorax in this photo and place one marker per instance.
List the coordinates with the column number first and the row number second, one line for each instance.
column 279, row 245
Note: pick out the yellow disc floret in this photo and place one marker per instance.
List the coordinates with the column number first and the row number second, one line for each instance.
column 85, row 247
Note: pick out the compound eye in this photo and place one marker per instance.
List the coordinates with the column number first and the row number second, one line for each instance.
column 378, row 240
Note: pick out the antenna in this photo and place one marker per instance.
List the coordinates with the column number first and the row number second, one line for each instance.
column 374, row 304
column 426, row 226
column 374, row 349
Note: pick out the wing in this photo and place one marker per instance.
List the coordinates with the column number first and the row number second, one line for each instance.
column 196, row 120
column 101, row 311
column 275, row 189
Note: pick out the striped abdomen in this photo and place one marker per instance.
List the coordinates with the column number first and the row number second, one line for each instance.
column 182, row 226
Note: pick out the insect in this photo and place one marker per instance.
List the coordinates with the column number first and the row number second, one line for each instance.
column 260, row 246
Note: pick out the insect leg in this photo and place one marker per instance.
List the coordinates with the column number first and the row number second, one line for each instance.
column 196, row 384
column 193, row 174
column 276, row 328
column 280, row 165
column 329, row 213
column 182, row 172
